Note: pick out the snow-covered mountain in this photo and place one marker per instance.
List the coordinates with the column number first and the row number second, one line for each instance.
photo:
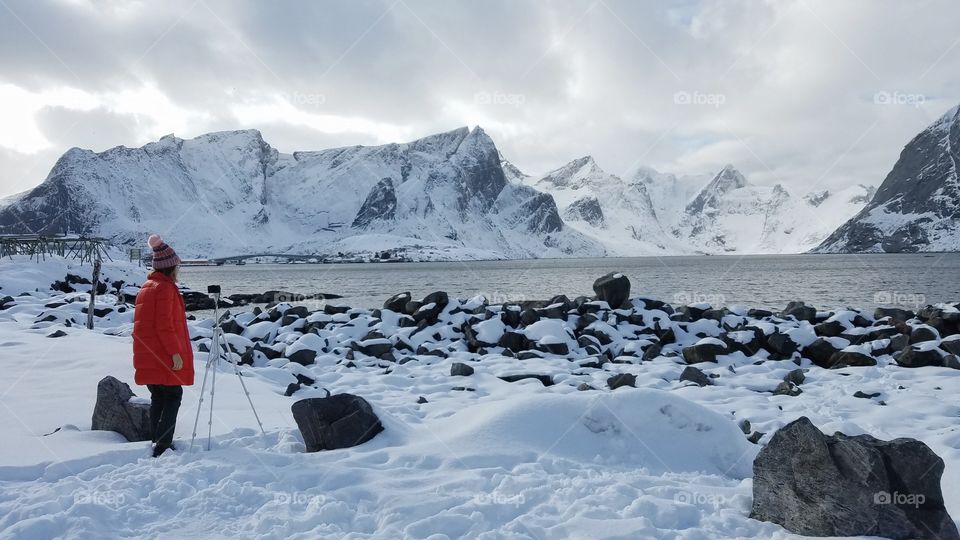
column 602, row 206
column 654, row 212
column 441, row 197
column 731, row 215
column 917, row 207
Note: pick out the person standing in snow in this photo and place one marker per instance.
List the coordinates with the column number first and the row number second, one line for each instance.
column 162, row 355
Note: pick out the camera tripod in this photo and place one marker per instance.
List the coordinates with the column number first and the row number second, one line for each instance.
column 213, row 364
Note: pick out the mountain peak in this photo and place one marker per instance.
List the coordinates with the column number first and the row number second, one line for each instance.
column 577, row 173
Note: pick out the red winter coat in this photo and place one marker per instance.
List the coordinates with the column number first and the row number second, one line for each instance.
column 160, row 331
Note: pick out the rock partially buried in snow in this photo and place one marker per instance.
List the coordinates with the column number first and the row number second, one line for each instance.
column 333, row 422
column 613, row 288
column 114, row 411
column 819, row 485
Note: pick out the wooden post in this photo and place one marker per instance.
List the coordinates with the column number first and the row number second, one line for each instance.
column 95, row 284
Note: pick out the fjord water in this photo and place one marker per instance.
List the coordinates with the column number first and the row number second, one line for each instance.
column 765, row 281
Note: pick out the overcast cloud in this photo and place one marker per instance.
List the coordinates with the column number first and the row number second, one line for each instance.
column 803, row 92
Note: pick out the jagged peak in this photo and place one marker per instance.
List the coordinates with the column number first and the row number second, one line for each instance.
column 445, row 142
column 727, row 179
column 947, row 119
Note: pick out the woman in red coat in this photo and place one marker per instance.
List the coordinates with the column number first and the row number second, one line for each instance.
column 162, row 355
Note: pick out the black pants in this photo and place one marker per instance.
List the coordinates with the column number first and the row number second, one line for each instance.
column 164, row 405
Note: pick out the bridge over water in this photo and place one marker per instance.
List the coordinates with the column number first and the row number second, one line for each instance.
column 288, row 256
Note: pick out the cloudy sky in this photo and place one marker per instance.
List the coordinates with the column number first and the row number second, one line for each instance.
column 809, row 93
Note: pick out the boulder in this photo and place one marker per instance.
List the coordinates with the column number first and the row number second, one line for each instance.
column 919, row 356
column 623, row 379
column 818, row 485
column 304, row 357
column 919, row 334
column 338, row 421
column 896, row 314
column 459, row 369
column 829, row 329
column 781, row 347
column 851, row 359
column 115, row 412
column 787, row 388
column 795, row 377
column 703, row 352
column 800, row 311
column 397, row 302
column 694, row 375
column 820, row 352
column 545, row 380
column 613, row 288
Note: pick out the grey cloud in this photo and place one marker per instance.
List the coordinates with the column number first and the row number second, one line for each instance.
column 798, row 79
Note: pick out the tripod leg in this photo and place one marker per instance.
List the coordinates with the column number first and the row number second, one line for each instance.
column 213, row 386
column 236, row 370
column 203, row 388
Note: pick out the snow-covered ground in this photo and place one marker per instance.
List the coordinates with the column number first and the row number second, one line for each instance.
column 500, row 460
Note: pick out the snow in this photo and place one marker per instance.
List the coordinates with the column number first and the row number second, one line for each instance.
column 505, row 460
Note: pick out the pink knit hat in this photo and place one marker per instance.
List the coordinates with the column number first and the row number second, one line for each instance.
column 163, row 255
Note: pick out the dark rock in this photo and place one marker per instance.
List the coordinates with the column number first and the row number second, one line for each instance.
column 862, row 395
column 331, row 309
column 304, row 357
column 545, row 380
column 380, row 205
column 514, row 341
column 912, row 357
column 529, row 316
column 896, row 314
column 115, row 412
column 291, row 389
column 460, row 369
column 231, row 326
column 756, row 436
column 829, row 329
column 622, row 379
column 554, row 348
column 745, row 426
column 851, row 359
column 398, row 302
column 421, row 400
column 338, row 421
column 56, row 334
column 6, row 302
column 704, row 352
column 818, row 485
column 952, row 346
column 613, row 288
column 795, row 376
column 800, row 311
column 923, row 333
column 651, row 352
column 781, row 347
column 694, row 375
column 787, row 389
column 377, row 349
column 759, row 313
column 583, row 387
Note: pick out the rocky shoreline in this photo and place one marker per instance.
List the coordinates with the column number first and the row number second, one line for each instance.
column 592, row 332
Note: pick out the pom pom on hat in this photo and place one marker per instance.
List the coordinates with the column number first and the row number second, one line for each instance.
column 154, row 240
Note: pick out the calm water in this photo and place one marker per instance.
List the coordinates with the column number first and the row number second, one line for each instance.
column 825, row 281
